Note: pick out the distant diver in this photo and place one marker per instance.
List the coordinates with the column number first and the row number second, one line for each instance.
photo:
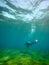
column 28, row 44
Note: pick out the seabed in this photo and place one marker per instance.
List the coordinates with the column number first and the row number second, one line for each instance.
column 17, row 57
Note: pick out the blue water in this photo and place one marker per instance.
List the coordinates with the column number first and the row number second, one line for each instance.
column 14, row 33
column 15, row 36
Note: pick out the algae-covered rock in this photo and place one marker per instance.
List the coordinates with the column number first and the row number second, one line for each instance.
column 25, row 60
column 12, row 62
column 15, row 57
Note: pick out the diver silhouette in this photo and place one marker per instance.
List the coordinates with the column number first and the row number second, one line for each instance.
column 28, row 44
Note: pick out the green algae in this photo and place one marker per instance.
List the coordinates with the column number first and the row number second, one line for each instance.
column 16, row 57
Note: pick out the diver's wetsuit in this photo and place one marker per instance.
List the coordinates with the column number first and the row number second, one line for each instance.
column 28, row 44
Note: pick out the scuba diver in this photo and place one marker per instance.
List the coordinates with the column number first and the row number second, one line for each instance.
column 28, row 44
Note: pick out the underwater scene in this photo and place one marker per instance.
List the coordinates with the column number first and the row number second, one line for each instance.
column 24, row 32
